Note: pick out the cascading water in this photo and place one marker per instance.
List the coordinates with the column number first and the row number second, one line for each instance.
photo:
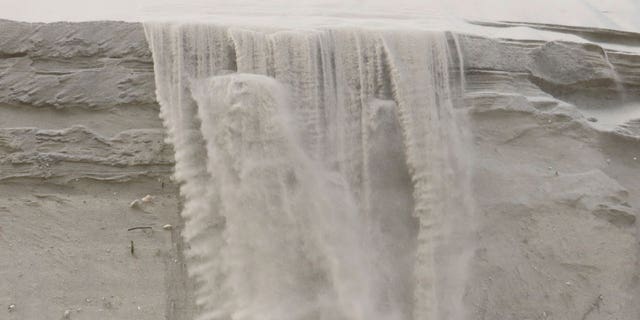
column 324, row 170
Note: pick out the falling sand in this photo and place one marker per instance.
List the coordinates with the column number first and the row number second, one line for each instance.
column 325, row 170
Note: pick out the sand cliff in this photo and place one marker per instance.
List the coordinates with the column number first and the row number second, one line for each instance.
column 555, row 132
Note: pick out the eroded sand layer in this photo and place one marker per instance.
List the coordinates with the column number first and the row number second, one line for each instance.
column 80, row 139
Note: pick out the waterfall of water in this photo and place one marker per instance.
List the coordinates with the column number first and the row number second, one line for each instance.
column 324, row 171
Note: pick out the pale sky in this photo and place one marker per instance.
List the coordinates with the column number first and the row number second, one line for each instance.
column 616, row 14
column 68, row 10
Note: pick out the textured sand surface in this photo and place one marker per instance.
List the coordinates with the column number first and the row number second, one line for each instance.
column 80, row 139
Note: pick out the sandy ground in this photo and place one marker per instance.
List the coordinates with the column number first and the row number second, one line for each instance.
column 67, row 249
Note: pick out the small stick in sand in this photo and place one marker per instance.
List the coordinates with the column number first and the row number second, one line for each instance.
column 133, row 249
column 139, row 228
